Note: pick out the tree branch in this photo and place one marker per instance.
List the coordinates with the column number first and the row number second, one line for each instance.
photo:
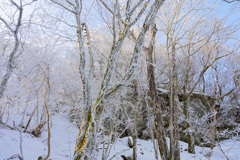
column 63, row 7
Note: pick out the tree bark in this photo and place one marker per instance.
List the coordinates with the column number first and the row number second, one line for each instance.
column 190, row 135
column 11, row 64
column 48, row 118
column 157, row 110
column 86, row 139
column 173, row 109
column 214, row 119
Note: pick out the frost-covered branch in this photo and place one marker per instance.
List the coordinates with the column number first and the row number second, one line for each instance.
column 140, row 13
column 204, row 70
column 10, row 63
column 106, row 6
column 114, row 22
column 7, row 25
column 150, row 17
column 135, row 7
column 70, row 3
column 61, row 5
column 89, row 126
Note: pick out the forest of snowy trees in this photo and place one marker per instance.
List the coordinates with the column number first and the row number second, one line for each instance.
column 144, row 69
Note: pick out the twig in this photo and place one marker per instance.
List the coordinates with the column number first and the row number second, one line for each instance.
column 219, row 146
column 15, row 156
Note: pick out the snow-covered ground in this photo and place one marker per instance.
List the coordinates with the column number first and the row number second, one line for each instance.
column 63, row 134
column 63, row 141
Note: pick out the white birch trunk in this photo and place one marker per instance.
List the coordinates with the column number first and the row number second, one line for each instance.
column 86, row 138
column 11, row 63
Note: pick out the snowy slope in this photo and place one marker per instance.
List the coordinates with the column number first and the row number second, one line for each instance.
column 63, row 135
column 63, row 141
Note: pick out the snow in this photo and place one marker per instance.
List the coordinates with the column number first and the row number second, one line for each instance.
column 63, row 141
column 163, row 90
column 63, row 135
column 9, row 140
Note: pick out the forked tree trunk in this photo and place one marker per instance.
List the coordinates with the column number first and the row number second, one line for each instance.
column 85, row 142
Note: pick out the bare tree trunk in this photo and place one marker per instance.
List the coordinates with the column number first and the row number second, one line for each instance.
column 86, row 139
column 48, row 119
column 186, row 99
column 214, row 119
column 10, row 63
column 151, row 130
column 173, row 110
column 29, row 120
column 134, row 136
column 134, row 133
column 157, row 110
column 190, row 136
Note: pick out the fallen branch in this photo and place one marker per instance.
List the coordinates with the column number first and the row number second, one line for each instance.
column 15, row 156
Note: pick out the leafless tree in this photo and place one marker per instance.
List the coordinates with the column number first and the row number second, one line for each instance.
column 14, row 30
column 86, row 139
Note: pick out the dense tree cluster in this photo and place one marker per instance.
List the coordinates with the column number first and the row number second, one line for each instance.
column 139, row 68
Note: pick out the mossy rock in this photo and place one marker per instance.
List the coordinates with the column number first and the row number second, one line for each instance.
column 126, row 158
column 40, row 158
